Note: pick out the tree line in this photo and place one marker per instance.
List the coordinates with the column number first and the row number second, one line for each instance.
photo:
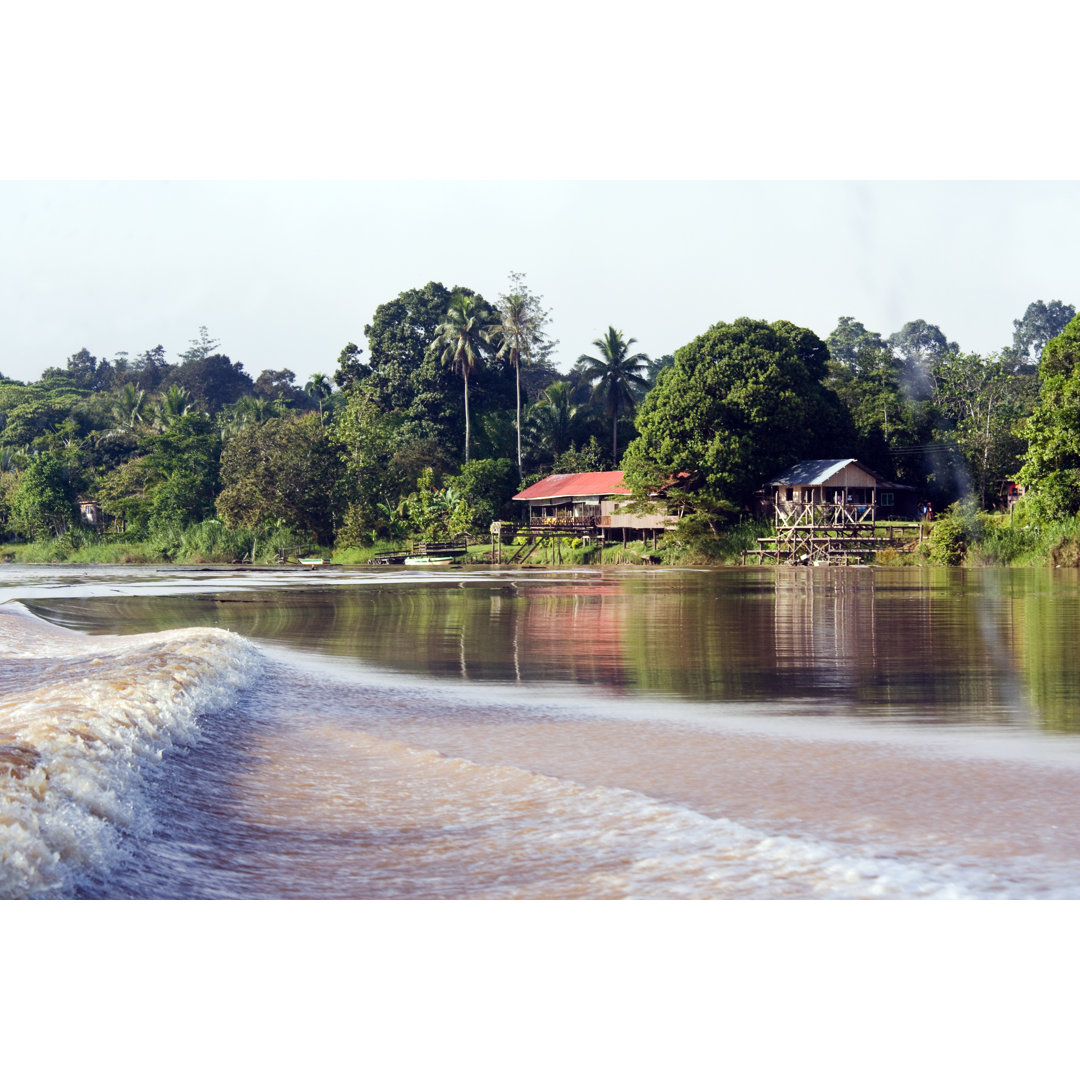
column 456, row 403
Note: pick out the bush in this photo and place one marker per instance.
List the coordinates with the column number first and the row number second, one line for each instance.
column 947, row 543
column 696, row 539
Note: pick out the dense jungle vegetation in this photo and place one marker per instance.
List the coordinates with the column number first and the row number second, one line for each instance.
column 456, row 403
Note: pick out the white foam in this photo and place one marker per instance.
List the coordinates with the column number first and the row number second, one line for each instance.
column 80, row 718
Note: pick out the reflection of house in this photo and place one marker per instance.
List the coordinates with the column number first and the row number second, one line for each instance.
column 596, row 500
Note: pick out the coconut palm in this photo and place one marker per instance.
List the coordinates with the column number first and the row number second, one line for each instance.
column 460, row 342
column 128, row 409
column 615, row 374
column 554, row 421
column 171, row 405
column 320, row 388
column 515, row 332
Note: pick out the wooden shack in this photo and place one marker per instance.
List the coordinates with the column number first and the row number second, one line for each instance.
column 826, row 510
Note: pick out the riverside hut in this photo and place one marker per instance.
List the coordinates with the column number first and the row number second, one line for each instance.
column 588, row 501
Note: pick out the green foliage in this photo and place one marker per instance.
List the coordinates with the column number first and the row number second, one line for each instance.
column 213, row 381
column 1040, row 324
column 519, row 335
column 486, row 486
column 435, row 512
column 698, row 540
column 1051, row 470
column 979, row 403
column 865, row 374
column 285, row 468
column 554, row 423
column 182, row 464
column 918, row 344
column 44, row 501
column 214, row 542
column 461, row 343
column 616, row 374
column 741, row 402
column 953, row 531
column 591, row 457
column 29, row 412
column 404, row 375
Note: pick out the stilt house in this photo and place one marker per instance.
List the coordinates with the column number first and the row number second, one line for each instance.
column 587, row 501
column 827, row 510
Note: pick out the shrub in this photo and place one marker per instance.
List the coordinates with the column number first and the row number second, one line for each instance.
column 947, row 543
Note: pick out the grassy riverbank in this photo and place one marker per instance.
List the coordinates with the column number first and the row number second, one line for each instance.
column 959, row 537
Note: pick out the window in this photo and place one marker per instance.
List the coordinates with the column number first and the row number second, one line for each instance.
column 887, row 498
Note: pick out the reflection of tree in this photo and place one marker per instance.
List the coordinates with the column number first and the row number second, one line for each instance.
column 911, row 644
column 1045, row 627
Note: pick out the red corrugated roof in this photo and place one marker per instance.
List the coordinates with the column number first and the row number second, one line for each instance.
column 559, row 485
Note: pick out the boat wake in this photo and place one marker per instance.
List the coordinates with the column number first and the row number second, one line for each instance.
column 81, row 718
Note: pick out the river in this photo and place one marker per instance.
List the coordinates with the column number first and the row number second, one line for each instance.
column 742, row 733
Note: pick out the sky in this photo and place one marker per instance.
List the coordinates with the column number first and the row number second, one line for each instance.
column 275, row 180
column 285, row 273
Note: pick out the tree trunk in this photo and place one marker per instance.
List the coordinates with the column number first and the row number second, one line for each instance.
column 465, row 376
column 517, row 374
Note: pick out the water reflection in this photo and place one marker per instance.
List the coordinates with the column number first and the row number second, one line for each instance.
column 916, row 645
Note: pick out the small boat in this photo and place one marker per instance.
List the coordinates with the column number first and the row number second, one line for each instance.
column 311, row 561
column 428, row 560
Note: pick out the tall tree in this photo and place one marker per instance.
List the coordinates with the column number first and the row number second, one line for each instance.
column 553, row 422
column 183, row 464
column 285, row 468
column 403, row 375
column 979, row 403
column 1039, row 324
column 214, row 381
column 461, row 343
column 170, row 406
column 615, row 374
column 1051, row 469
column 150, row 368
column 866, row 375
column 520, row 334
column 351, row 369
column 44, row 499
column 919, row 344
column 200, row 347
column 281, row 386
column 319, row 388
column 742, row 401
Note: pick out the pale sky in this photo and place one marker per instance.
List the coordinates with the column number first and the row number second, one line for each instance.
column 658, row 170
column 285, row 273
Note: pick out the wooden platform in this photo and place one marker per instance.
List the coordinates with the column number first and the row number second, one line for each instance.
column 816, row 533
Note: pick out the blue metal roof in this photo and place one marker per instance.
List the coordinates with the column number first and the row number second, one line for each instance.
column 812, row 473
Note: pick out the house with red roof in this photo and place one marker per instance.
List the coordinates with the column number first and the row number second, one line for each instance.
column 596, row 500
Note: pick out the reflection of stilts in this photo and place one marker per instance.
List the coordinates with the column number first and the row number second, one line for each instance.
column 517, row 665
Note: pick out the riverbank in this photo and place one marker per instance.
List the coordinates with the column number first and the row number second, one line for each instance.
column 959, row 537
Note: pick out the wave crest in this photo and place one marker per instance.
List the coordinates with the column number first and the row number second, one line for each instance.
column 80, row 719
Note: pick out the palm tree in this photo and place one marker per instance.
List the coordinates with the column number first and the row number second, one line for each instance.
column 128, row 409
column 461, row 338
column 320, row 388
column 515, row 332
column 171, row 405
column 615, row 374
column 554, row 420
